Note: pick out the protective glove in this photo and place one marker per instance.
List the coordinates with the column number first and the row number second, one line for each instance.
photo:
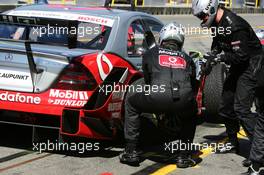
column 219, row 58
column 209, row 56
column 207, row 67
column 213, row 59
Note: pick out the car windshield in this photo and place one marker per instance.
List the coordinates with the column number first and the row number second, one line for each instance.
column 89, row 35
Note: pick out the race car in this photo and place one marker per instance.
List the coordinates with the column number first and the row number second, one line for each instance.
column 63, row 66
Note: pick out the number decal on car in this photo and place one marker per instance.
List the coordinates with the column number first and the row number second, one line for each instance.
column 100, row 59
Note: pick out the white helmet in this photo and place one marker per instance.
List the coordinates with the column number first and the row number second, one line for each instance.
column 172, row 32
column 203, row 8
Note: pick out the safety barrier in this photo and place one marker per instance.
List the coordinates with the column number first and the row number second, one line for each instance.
column 169, row 9
column 153, row 3
column 162, row 3
column 90, row 2
column 73, row 2
column 242, row 3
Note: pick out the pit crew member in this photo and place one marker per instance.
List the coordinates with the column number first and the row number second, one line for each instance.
column 165, row 65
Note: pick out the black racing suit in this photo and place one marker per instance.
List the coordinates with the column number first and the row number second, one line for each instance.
column 170, row 75
column 257, row 149
column 242, row 50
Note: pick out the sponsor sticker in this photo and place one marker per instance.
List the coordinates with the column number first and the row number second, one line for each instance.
column 116, row 115
column 114, row 106
column 171, row 53
column 15, row 80
column 235, row 48
column 69, row 94
column 68, row 98
column 235, row 42
column 9, row 57
column 72, row 103
column 172, row 61
column 63, row 15
column 19, row 98
column 13, row 76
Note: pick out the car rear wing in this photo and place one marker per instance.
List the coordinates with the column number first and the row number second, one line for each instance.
column 37, row 22
column 28, row 23
column 107, row 3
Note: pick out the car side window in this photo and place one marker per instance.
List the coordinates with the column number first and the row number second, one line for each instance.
column 135, row 38
column 155, row 28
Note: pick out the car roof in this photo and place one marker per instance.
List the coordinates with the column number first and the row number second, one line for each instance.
column 98, row 11
column 120, row 20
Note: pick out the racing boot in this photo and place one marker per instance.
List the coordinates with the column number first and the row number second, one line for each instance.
column 254, row 169
column 228, row 148
column 131, row 155
column 246, row 163
column 232, row 146
column 184, row 160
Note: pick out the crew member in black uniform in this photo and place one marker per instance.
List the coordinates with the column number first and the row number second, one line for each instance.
column 237, row 45
column 257, row 149
column 173, row 71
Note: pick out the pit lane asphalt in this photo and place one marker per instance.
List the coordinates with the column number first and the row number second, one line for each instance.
column 17, row 157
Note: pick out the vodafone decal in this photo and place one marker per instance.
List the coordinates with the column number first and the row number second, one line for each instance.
column 172, row 61
column 17, row 97
column 64, row 15
column 68, row 98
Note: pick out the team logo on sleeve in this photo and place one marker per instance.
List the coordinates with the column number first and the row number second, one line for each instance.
column 175, row 62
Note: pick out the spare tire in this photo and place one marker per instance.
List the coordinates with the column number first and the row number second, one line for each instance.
column 213, row 92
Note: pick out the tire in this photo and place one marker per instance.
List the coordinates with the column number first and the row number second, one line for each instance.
column 213, row 92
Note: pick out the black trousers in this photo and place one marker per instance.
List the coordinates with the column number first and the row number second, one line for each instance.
column 257, row 148
column 159, row 103
column 237, row 99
